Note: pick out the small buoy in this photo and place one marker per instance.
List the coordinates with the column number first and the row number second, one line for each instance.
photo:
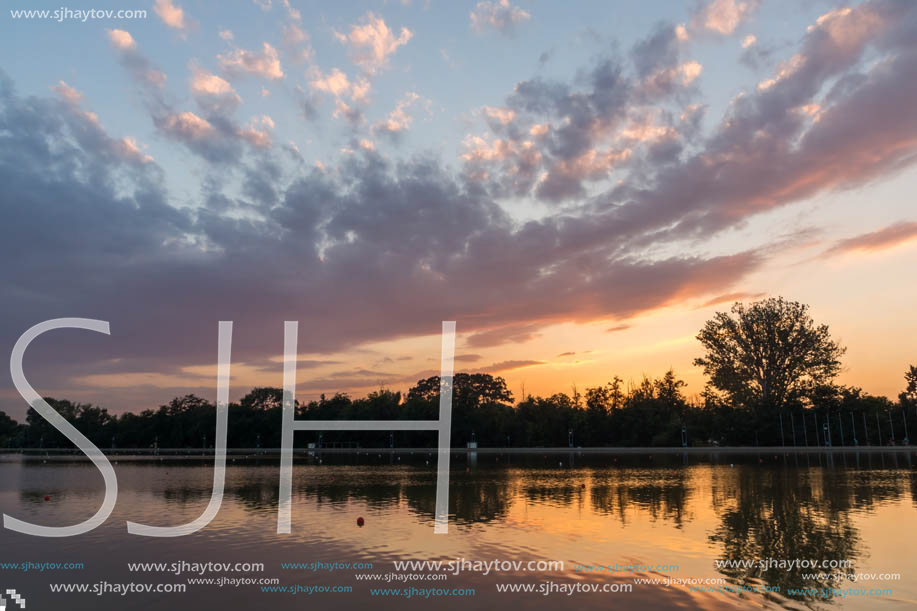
column 583, row 486
column 47, row 498
column 331, row 478
column 467, row 470
column 560, row 464
column 731, row 465
column 360, row 522
column 427, row 461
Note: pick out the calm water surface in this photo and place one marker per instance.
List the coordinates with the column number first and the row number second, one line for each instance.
column 688, row 511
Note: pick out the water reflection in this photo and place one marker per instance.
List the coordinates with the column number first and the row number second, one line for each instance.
column 786, row 514
column 748, row 508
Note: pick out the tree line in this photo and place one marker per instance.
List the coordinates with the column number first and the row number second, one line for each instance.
column 770, row 371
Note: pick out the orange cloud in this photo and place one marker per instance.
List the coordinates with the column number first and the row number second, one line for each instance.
column 881, row 239
column 172, row 15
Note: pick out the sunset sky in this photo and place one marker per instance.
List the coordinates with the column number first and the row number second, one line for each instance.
column 578, row 185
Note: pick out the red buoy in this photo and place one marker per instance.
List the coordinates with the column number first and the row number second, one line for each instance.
column 583, row 486
column 47, row 498
column 360, row 522
column 332, row 478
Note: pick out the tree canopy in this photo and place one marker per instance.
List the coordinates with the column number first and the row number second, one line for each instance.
column 768, row 354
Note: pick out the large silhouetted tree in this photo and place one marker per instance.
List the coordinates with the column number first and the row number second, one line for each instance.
column 469, row 390
column 768, row 354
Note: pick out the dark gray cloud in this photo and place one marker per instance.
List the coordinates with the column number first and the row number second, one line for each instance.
column 758, row 56
column 467, row 358
column 512, row 334
column 308, row 103
column 657, row 51
column 566, row 136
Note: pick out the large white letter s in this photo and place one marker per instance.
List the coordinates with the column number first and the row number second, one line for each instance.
column 61, row 424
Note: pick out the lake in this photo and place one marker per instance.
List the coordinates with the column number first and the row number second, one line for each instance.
column 721, row 530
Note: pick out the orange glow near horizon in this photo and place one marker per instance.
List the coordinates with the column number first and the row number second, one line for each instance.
column 563, row 356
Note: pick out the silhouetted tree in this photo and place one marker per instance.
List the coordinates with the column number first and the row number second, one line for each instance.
column 767, row 354
column 468, row 389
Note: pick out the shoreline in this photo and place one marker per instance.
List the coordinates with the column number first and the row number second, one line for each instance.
column 250, row 452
